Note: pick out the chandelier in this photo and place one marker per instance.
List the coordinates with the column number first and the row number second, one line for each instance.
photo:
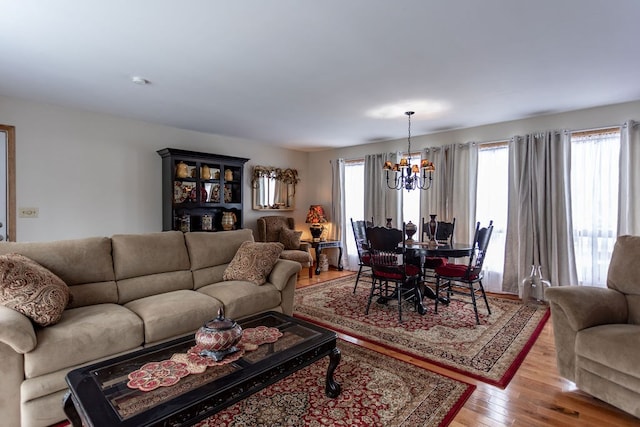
column 407, row 176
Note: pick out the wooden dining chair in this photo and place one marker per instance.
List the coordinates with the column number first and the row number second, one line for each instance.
column 466, row 279
column 444, row 231
column 392, row 276
column 444, row 235
column 364, row 257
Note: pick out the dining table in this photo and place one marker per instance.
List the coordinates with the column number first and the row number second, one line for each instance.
column 455, row 250
column 418, row 251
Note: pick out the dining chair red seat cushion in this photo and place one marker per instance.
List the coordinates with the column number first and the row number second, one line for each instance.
column 396, row 272
column 433, row 262
column 456, row 271
column 384, row 258
column 366, row 259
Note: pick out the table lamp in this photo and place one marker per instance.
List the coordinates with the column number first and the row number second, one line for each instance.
column 316, row 217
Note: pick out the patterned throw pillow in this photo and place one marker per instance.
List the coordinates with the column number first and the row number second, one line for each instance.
column 31, row 289
column 253, row 262
column 290, row 238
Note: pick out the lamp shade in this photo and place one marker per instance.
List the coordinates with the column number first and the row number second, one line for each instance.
column 316, row 215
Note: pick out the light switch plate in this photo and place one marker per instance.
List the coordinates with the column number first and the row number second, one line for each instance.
column 28, row 212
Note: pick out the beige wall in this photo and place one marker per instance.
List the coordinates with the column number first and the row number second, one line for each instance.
column 97, row 175
column 582, row 119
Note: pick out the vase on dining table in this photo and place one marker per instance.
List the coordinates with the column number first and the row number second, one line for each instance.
column 432, row 228
column 410, row 228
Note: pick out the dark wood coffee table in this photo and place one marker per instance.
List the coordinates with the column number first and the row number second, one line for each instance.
column 98, row 394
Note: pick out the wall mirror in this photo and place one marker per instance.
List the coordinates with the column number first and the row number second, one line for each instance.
column 274, row 188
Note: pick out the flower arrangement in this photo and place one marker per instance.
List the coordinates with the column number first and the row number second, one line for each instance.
column 287, row 175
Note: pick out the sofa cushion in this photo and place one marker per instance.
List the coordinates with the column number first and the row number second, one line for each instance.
column 153, row 284
column 615, row 346
column 213, row 249
column 80, row 263
column 624, row 268
column 31, row 289
column 174, row 313
column 290, row 238
column 84, row 334
column 242, row 298
column 143, row 254
column 253, row 262
column 150, row 264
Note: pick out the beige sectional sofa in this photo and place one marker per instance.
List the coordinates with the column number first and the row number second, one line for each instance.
column 128, row 292
column 597, row 330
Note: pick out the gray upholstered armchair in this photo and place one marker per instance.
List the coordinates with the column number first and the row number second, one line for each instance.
column 282, row 229
column 597, row 330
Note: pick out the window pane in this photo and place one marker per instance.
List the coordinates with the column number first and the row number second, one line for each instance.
column 411, row 209
column 491, row 204
column 354, row 207
column 594, row 203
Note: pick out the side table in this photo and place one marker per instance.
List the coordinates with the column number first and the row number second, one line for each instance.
column 319, row 246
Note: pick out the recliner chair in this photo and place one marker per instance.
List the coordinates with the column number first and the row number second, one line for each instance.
column 270, row 230
column 597, row 330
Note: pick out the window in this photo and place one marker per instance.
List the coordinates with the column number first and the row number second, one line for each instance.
column 353, row 205
column 411, row 202
column 491, row 204
column 594, row 201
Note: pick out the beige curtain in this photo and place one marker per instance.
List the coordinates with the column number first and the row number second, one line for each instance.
column 462, row 184
column 453, row 194
column 629, row 199
column 434, row 200
column 380, row 202
column 539, row 227
column 337, row 220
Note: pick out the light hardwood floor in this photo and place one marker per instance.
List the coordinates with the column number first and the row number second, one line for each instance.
column 536, row 396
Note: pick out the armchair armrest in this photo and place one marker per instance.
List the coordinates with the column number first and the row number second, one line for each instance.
column 305, row 246
column 586, row 306
column 16, row 330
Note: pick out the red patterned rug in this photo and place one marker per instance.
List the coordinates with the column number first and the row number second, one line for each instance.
column 376, row 391
column 490, row 352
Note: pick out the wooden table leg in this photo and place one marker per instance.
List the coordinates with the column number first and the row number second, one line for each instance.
column 70, row 410
column 332, row 388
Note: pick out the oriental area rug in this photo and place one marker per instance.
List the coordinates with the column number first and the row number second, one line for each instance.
column 376, row 391
column 490, row 352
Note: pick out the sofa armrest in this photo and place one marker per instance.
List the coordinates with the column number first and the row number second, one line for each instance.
column 282, row 272
column 305, row 246
column 284, row 277
column 16, row 330
column 587, row 306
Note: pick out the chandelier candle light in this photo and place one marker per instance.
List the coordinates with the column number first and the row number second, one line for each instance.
column 316, row 217
column 406, row 175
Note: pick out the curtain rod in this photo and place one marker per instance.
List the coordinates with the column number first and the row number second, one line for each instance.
column 495, row 143
column 598, row 129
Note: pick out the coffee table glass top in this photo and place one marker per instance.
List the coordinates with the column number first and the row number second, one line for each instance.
column 107, row 381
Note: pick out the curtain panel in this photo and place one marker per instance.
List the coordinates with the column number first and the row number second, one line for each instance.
column 453, row 194
column 434, row 200
column 380, row 202
column 539, row 229
column 338, row 222
column 629, row 199
column 461, row 192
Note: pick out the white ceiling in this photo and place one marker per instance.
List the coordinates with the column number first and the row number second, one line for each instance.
column 305, row 73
